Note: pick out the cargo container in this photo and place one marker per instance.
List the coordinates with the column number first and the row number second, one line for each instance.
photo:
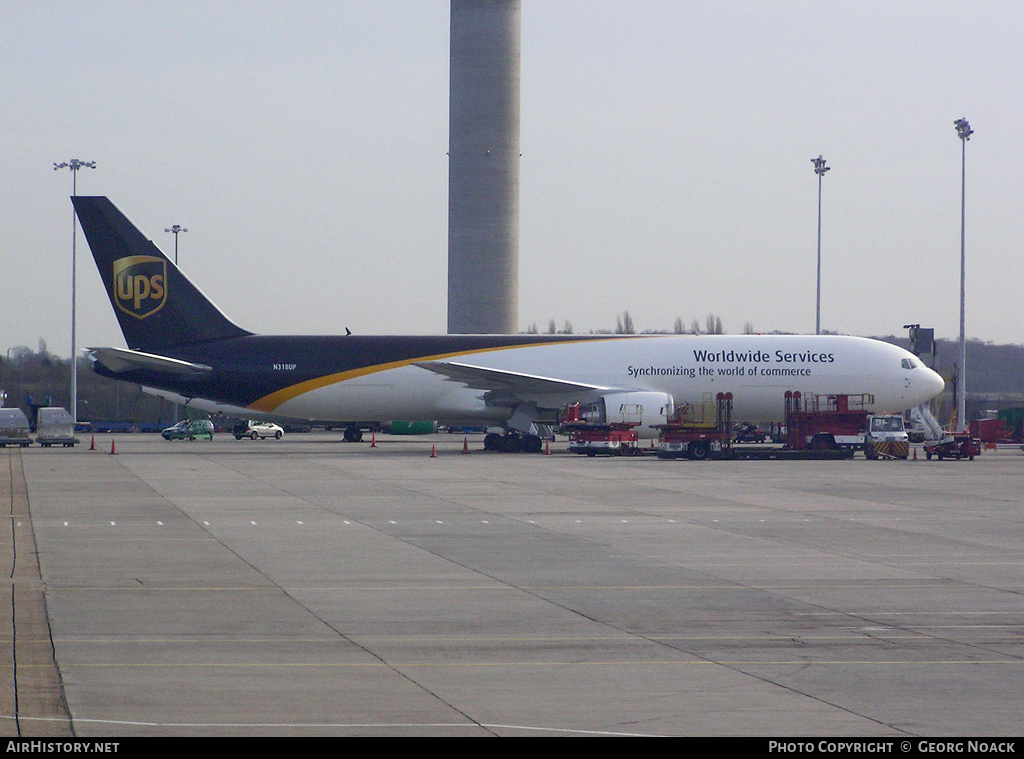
column 14, row 428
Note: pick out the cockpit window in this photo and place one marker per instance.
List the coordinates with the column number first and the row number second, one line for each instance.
column 911, row 363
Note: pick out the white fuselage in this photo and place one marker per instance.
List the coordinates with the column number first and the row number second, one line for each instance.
column 756, row 369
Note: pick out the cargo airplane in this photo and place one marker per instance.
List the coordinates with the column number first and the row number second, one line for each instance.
column 182, row 347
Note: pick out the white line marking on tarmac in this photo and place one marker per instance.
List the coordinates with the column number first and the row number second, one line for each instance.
column 337, row 725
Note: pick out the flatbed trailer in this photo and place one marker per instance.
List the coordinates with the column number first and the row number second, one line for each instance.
column 782, row 453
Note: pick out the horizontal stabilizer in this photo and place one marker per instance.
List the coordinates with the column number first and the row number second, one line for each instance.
column 483, row 378
column 121, row 360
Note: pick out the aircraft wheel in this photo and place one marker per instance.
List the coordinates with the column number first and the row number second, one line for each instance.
column 492, row 441
column 823, row 442
column 699, row 451
column 532, row 444
column 353, row 434
column 512, row 444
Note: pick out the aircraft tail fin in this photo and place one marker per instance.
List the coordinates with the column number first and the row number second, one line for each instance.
column 156, row 305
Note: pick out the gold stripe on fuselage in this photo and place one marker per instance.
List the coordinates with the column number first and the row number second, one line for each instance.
column 270, row 403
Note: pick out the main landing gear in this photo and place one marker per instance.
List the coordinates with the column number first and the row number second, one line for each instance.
column 513, row 442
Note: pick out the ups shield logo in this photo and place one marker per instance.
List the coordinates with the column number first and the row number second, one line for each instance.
column 140, row 285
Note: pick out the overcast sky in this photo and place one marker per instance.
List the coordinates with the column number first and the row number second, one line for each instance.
column 666, row 161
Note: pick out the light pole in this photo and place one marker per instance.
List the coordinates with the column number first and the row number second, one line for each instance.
column 819, row 168
column 175, row 230
column 964, row 132
column 74, row 164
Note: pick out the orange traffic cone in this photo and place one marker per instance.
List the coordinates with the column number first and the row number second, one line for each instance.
column 465, row 445
column 113, row 448
column 547, row 447
column 433, row 451
column 92, row 443
column 373, row 440
column 915, row 454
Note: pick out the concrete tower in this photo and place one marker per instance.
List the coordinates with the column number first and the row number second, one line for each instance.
column 483, row 167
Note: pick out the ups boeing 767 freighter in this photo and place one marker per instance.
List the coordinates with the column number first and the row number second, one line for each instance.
column 182, row 347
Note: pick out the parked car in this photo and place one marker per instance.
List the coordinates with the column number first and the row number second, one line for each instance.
column 748, row 433
column 189, row 429
column 254, row 429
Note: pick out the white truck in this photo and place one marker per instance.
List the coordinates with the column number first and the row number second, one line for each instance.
column 885, row 436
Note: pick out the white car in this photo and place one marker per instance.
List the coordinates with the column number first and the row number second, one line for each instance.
column 254, row 429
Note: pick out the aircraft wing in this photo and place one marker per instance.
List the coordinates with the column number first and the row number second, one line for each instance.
column 120, row 360
column 515, row 383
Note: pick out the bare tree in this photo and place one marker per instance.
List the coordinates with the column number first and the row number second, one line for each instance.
column 624, row 324
column 679, row 328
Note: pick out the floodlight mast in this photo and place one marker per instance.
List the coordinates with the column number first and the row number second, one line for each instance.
column 964, row 132
column 74, row 165
column 819, row 168
column 175, row 230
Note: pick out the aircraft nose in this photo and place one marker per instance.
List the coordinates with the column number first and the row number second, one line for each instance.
column 931, row 384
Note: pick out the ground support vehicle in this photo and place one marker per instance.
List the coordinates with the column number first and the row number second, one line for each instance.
column 817, row 428
column 842, row 422
column 613, row 439
column 591, row 433
column 824, row 422
column 748, row 433
column 54, row 426
column 886, row 437
column 957, row 445
column 1001, row 430
column 698, row 432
